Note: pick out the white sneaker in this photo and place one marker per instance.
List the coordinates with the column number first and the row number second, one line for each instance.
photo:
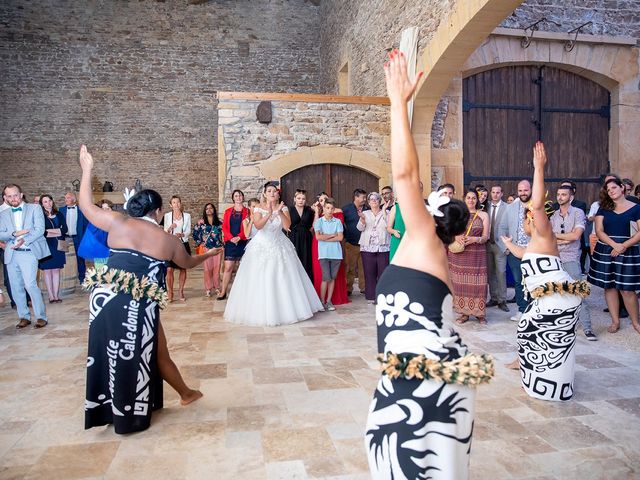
column 516, row 317
column 329, row 307
column 323, row 308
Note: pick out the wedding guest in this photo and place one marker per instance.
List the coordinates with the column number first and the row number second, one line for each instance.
column 22, row 231
column 388, row 200
column 94, row 247
column 395, row 226
column 177, row 222
column 374, row 243
column 616, row 257
column 568, row 224
column 496, row 258
column 469, row 267
column 76, row 226
column 447, row 189
column 483, row 196
column 301, row 228
column 248, row 227
column 55, row 232
column 628, row 187
column 207, row 234
column 235, row 239
column 340, row 295
column 352, row 258
column 329, row 233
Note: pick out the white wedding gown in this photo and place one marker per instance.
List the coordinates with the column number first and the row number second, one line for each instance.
column 271, row 286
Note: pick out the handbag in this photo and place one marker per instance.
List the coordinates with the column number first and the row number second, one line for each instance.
column 202, row 249
column 63, row 246
column 457, row 246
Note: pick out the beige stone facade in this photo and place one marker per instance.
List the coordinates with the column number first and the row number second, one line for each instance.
column 612, row 62
column 305, row 130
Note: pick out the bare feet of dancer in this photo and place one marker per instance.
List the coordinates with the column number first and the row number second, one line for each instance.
column 170, row 373
column 190, row 397
column 614, row 327
column 515, row 365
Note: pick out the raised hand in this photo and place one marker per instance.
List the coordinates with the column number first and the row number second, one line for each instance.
column 399, row 87
column 539, row 156
column 86, row 160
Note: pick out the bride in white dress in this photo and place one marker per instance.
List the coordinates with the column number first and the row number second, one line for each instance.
column 271, row 286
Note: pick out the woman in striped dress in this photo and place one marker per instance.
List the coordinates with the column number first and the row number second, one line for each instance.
column 615, row 265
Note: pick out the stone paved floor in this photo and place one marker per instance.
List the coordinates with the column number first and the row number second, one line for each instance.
column 291, row 402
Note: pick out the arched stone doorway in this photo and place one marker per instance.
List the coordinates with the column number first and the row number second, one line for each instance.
column 338, row 181
column 505, row 110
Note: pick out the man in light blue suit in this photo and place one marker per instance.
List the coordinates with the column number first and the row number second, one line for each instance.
column 512, row 225
column 22, row 228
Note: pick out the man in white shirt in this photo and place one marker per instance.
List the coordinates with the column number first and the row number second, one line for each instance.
column 76, row 225
column 496, row 258
column 22, row 230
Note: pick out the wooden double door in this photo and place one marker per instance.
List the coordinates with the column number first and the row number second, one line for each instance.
column 338, row 181
column 506, row 110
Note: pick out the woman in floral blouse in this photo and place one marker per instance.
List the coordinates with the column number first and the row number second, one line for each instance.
column 208, row 233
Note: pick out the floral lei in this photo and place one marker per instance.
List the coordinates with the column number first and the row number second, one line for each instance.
column 126, row 282
column 469, row 370
column 579, row 288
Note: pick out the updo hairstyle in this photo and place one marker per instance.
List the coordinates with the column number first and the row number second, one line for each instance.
column 454, row 222
column 143, row 202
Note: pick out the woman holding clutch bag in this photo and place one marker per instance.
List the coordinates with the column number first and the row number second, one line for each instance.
column 55, row 231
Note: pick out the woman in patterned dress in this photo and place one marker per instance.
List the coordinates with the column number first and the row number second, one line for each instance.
column 420, row 421
column 469, row 267
column 547, row 327
column 128, row 356
column 208, row 233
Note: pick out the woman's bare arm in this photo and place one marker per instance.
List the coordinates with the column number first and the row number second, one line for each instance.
column 103, row 219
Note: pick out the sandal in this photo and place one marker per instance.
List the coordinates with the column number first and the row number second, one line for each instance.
column 223, row 297
column 482, row 320
column 462, row 319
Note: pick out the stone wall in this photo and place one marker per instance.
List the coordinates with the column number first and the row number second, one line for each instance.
column 136, row 81
column 359, row 31
column 301, row 132
column 609, row 17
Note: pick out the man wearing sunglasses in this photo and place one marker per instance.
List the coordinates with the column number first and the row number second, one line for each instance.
column 568, row 223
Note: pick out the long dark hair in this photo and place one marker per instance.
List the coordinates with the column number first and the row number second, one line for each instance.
column 205, row 217
column 54, row 210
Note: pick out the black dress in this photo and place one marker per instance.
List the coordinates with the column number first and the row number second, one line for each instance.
column 418, row 428
column 123, row 381
column 301, row 236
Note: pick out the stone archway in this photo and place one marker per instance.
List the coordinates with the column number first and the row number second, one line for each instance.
column 279, row 166
column 468, row 25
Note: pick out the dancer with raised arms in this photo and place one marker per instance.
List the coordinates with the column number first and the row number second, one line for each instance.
column 547, row 327
column 128, row 356
column 421, row 418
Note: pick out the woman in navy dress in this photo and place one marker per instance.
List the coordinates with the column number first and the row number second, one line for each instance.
column 55, row 229
column 234, row 238
column 615, row 264
column 420, row 421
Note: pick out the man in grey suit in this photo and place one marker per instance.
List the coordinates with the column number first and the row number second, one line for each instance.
column 512, row 225
column 22, row 228
column 496, row 258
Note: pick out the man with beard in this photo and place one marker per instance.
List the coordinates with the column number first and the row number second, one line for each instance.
column 22, row 230
column 511, row 225
column 568, row 224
